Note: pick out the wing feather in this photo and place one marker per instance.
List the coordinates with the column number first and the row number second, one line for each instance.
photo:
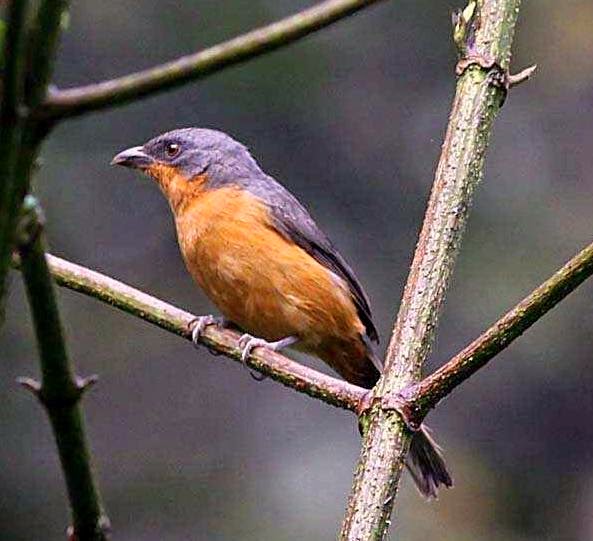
column 294, row 222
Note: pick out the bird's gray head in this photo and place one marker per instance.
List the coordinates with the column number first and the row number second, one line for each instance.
column 187, row 161
column 191, row 153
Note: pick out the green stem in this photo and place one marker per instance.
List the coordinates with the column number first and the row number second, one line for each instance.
column 305, row 380
column 46, row 35
column 21, row 136
column 77, row 101
column 425, row 395
column 11, row 128
column 60, row 390
column 484, row 43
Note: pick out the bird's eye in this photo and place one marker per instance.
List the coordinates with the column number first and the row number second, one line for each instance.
column 172, row 149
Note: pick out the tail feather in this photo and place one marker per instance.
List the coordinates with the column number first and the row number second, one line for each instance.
column 427, row 465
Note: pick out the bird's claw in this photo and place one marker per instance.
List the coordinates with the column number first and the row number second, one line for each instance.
column 247, row 343
column 198, row 325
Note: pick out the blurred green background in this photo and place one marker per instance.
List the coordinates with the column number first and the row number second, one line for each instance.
column 351, row 119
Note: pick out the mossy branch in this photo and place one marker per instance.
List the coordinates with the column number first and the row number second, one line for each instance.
column 77, row 101
column 60, row 390
column 483, row 34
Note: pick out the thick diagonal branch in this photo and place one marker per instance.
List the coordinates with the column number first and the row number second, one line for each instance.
column 483, row 34
column 60, row 390
column 425, row 395
column 221, row 341
column 77, row 101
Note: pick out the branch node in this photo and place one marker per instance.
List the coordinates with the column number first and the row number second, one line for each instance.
column 365, row 403
column 397, row 402
column 31, row 223
column 497, row 76
column 475, row 59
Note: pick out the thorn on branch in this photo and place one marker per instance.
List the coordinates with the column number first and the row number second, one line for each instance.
column 82, row 385
column 522, row 76
column 103, row 528
column 85, row 384
column 32, row 385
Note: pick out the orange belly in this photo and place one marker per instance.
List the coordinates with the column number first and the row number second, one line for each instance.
column 269, row 286
column 258, row 279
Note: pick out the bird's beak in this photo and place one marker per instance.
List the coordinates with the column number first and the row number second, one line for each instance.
column 134, row 158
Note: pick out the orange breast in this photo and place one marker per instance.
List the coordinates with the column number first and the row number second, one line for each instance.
column 258, row 279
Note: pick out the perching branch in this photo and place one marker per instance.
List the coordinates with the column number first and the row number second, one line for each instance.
column 77, row 101
column 424, row 396
column 221, row 341
column 60, row 390
column 417, row 400
column 483, row 34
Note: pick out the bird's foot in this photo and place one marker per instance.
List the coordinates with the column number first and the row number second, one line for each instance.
column 247, row 343
column 198, row 325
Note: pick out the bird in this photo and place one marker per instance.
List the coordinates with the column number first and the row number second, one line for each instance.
column 260, row 257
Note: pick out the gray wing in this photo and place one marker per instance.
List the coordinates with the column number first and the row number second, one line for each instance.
column 295, row 223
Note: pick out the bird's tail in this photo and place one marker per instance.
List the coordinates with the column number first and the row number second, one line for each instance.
column 426, row 464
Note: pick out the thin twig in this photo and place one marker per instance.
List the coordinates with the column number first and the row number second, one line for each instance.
column 484, row 30
column 76, row 101
column 60, row 390
column 305, row 380
column 424, row 396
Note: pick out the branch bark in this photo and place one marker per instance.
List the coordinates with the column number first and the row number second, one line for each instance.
column 60, row 390
column 77, row 101
column 425, row 395
column 305, row 380
column 483, row 34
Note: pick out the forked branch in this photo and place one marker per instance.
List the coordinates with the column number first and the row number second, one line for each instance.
column 424, row 396
column 417, row 399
